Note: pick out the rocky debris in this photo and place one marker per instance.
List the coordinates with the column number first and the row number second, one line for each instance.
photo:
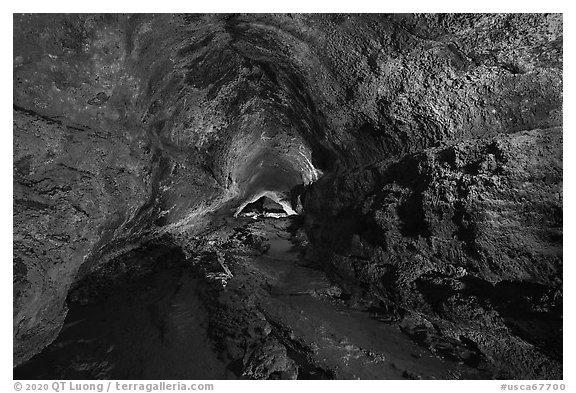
column 330, row 292
column 269, row 361
column 254, row 343
column 460, row 350
column 151, row 299
column 254, row 313
column 446, row 231
column 214, row 268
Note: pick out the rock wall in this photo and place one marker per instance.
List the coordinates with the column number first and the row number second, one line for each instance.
column 467, row 237
column 90, row 181
column 129, row 127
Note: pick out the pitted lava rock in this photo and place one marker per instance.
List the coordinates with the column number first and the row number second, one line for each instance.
column 423, row 153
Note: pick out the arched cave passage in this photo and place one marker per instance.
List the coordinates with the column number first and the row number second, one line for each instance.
column 422, row 155
column 268, row 204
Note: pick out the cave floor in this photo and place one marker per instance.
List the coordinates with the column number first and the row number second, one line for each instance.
column 156, row 315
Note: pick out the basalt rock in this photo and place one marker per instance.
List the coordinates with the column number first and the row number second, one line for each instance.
column 270, row 361
column 469, row 236
column 423, row 150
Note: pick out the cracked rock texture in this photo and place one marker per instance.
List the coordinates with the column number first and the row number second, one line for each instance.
column 468, row 237
column 425, row 151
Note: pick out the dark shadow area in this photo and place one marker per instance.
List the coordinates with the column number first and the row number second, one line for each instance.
column 137, row 317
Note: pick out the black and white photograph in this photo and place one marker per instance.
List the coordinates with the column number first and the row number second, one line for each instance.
column 287, row 196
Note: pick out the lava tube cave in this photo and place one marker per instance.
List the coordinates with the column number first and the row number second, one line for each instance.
column 287, row 196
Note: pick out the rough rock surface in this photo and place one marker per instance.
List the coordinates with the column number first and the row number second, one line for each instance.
column 75, row 192
column 131, row 127
column 468, row 236
column 270, row 360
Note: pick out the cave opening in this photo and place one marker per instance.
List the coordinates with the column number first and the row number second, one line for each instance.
column 266, row 207
column 145, row 146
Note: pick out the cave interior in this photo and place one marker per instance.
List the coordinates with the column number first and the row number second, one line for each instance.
column 287, row 196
